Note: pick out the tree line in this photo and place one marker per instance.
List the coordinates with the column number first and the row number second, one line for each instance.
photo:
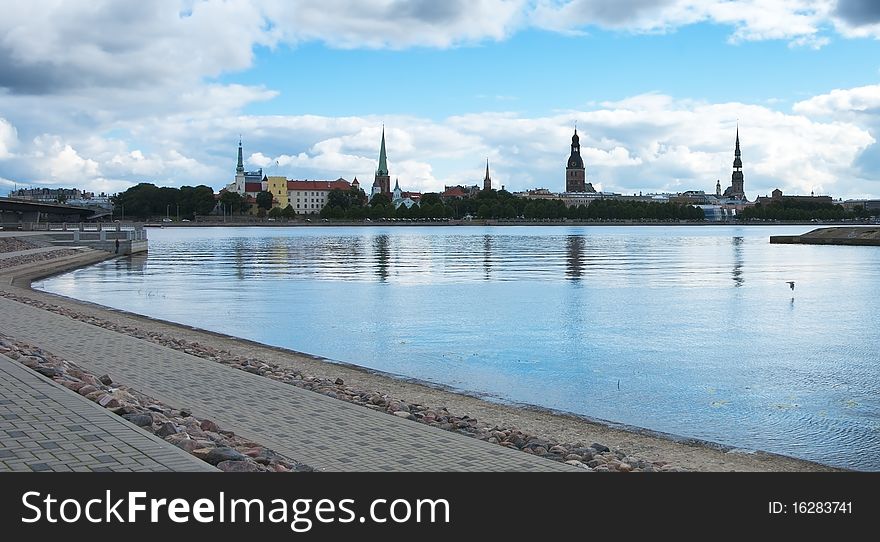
column 800, row 210
column 146, row 200
column 500, row 204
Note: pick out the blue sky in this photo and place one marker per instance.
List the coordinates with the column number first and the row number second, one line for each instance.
column 538, row 72
column 103, row 95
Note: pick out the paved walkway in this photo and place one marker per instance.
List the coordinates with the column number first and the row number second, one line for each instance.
column 317, row 430
column 46, row 427
column 28, row 252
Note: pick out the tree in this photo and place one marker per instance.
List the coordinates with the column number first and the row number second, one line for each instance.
column 288, row 212
column 430, row 198
column 339, row 198
column 275, row 212
column 380, row 200
column 264, row 200
column 231, row 201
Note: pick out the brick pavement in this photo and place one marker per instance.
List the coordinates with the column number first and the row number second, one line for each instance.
column 46, row 427
column 320, row 431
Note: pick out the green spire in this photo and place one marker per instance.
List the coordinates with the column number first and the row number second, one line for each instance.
column 240, row 167
column 383, row 160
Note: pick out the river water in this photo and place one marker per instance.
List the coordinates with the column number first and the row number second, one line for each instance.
column 689, row 330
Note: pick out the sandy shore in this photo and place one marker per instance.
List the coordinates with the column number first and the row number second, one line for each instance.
column 689, row 454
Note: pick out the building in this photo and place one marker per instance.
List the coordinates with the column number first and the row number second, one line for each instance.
column 870, row 205
column 309, row 197
column 575, row 172
column 736, row 190
column 400, row 197
column 277, row 186
column 459, row 191
column 246, row 182
column 48, row 195
column 382, row 180
column 778, row 197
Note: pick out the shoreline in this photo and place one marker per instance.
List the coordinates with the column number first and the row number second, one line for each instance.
column 317, row 222
column 684, row 452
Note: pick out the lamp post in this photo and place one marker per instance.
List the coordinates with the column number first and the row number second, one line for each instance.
column 167, row 209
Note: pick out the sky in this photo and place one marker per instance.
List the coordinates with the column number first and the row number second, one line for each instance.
column 101, row 95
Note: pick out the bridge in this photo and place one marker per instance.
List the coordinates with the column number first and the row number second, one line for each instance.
column 16, row 211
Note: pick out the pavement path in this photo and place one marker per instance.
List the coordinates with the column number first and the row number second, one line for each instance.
column 46, row 427
column 326, row 433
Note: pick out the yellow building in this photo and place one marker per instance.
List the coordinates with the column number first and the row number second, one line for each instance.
column 277, row 186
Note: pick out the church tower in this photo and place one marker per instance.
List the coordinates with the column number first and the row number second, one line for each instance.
column 736, row 190
column 575, row 173
column 382, row 182
column 487, row 182
column 239, row 171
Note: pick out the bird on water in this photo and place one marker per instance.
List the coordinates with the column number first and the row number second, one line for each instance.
column 791, row 284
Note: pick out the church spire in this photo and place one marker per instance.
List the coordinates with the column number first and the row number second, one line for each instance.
column 240, row 167
column 487, row 182
column 383, row 159
column 737, row 155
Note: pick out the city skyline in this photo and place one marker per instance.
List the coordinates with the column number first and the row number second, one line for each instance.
column 656, row 93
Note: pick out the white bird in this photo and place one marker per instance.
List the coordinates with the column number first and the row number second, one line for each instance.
column 791, row 284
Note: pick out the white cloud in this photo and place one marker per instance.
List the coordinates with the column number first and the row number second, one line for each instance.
column 860, row 99
column 796, row 20
column 8, row 138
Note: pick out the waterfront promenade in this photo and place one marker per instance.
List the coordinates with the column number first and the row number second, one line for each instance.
column 46, row 427
column 320, row 431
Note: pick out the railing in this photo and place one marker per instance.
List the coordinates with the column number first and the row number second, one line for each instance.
column 132, row 231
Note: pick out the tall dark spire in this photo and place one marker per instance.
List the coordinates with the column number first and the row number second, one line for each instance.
column 736, row 189
column 737, row 155
column 575, row 173
column 487, row 181
column 240, row 167
column 383, row 160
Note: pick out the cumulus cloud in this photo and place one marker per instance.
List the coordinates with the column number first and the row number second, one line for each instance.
column 858, row 12
column 796, row 20
column 8, row 138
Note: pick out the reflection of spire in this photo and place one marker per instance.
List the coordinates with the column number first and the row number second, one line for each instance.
column 487, row 256
column 738, row 279
column 382, row 252
column 574, row 257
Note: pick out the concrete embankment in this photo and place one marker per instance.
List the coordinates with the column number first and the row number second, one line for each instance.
column 857, row 235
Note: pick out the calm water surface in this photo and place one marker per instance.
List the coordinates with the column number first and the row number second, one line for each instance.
column 696, row 325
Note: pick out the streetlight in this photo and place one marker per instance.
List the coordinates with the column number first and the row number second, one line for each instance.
column 167, row 209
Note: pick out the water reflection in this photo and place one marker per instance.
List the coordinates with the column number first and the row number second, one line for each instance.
column 239, row 254
column 487, row 256
column 382, row 252
column 136, row 263
column 738, row 278
column 574, row 260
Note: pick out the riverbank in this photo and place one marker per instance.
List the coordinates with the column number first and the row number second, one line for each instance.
column 852, row 236
column 475, row 222
column 536, row 430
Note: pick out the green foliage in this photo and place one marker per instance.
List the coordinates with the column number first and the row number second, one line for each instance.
column 264, row 200
column 276, row 212
column 288, row 212
column 380, row 200
column 146, row 200
column 800, row 210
